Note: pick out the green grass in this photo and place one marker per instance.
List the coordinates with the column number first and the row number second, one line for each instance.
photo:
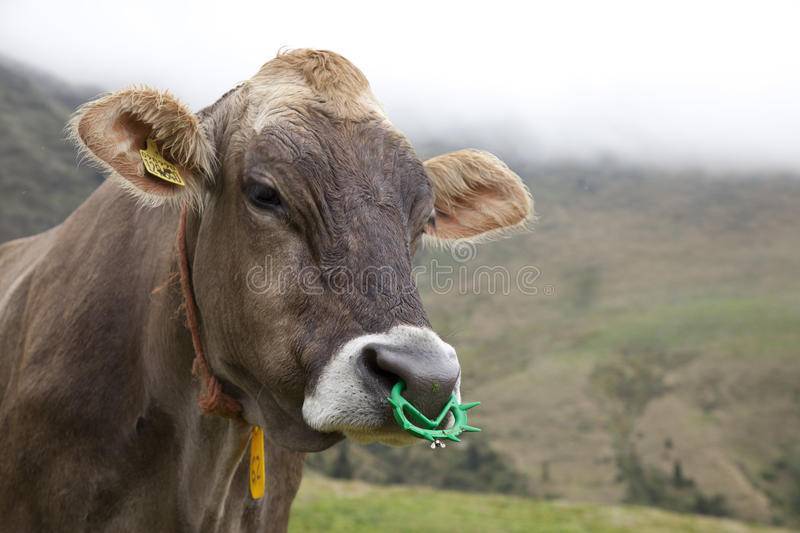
column 754, row 326
column 354, row 507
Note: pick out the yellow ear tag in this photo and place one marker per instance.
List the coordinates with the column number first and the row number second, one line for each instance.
column 257, row 470
column 159, row 167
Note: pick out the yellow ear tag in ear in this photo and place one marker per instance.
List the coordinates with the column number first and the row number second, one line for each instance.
column 257, row 469
column 159, row 167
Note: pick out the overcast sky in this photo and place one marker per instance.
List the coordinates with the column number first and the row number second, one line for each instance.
column 698, row 82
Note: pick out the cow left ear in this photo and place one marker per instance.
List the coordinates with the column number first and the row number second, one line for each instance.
column 113, row 131
column 476, row 196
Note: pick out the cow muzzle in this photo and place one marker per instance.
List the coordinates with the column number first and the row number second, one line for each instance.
column 351, row 394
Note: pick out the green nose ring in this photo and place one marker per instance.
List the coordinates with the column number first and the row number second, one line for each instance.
column 415, row 423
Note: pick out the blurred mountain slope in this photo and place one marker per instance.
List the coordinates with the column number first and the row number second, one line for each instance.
column 40, row 180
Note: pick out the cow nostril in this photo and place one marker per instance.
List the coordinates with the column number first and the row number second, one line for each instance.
column 369, row 358
column 429, row 370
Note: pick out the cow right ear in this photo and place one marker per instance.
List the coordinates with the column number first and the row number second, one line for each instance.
column 113, row 131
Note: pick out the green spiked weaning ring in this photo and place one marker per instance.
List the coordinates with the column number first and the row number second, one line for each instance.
column 417, row 424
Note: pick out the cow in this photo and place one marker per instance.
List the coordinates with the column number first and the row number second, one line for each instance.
column 298, row 167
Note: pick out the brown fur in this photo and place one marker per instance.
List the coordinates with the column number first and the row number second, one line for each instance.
column 316, row 79
column 326, row 73
column 98, row 420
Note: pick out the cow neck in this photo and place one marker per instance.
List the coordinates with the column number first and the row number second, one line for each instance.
column 212, row 399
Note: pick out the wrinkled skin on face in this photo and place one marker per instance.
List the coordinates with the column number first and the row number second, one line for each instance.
column 313, row 196
column 353, row 196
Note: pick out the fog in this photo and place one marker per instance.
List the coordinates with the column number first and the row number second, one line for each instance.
column 677, row 83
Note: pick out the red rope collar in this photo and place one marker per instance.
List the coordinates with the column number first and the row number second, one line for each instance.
column 212, row 400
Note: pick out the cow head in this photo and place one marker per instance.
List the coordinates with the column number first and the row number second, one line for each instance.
column 310, row 206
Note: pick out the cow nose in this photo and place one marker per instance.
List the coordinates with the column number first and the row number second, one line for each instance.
column 430, row 371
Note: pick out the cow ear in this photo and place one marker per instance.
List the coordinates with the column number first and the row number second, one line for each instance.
column 476, row 197
column 112, row 131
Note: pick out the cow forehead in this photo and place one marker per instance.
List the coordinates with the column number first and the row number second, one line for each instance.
column 314, row 109
column 318, row 79
column 321, row 102
column 339, row 159
column 357, row 181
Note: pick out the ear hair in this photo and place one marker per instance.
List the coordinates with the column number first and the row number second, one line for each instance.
column 96, row 130
column 477, row 181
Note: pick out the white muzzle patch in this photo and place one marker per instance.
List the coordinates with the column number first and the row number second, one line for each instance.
column 341, row 401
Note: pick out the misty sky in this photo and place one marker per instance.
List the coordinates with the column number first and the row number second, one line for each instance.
column 701, row 82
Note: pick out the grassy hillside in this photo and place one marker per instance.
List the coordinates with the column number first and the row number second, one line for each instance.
column 654, row 360
column 353, row 507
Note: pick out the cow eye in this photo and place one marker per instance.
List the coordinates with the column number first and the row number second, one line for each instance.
column 263, row 196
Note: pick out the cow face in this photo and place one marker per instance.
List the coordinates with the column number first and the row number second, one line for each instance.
column 310, row 206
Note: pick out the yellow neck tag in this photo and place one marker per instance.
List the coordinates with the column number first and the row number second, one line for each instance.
column 257, row 470
column 159, row 167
